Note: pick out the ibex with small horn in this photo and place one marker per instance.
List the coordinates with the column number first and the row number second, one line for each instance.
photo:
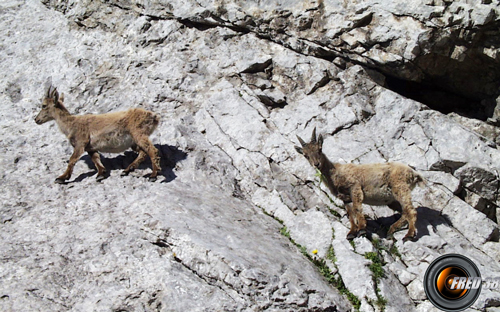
column 112, row 133
column 373, row 184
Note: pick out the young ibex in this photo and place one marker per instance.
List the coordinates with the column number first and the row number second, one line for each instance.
column 111, row 133
column 373, row 184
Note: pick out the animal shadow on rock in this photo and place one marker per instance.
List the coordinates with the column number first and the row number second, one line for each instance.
column 434, row 218
column 169, row 157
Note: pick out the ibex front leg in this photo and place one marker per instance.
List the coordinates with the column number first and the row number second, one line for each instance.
column 79, row 149
column 135, row 164
column 352, row 219
column 357, row 197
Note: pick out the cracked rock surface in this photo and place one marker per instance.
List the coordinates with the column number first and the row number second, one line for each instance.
column 238, row 220
column 442, row 43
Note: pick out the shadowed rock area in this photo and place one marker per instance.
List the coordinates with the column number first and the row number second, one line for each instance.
column 238, row 220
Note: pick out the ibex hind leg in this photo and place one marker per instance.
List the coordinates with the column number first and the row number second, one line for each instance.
column 409, row 214
column 101, row 170
column 395, row 206
column 147, row 146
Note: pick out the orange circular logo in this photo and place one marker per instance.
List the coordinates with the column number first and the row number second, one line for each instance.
column 452, row 282
column 445, row 285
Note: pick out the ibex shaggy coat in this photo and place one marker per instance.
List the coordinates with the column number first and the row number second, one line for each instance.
column 373, row 184
column 111, row 132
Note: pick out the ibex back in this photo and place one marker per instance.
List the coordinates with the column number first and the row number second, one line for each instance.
column 111, row 132
column 374, row 184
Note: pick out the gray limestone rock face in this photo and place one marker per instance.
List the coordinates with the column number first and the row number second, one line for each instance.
column 238, row 220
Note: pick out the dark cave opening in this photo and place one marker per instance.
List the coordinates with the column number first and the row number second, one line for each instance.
column 440, row 99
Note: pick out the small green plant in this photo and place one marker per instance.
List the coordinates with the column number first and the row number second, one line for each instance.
column 330, row 255
column 334, row 213
column 285, row 232
column 265, row 212
column 377, row 269
column 336, row 281
column 303, row 250
column 321, row 177
column 394, row 251
column 376, row 265
column 339, row 284
column 381, row 301
column 323, row 268
column 353, row 244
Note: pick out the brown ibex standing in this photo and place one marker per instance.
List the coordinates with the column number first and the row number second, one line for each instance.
column 111, row 133
column 373, row 184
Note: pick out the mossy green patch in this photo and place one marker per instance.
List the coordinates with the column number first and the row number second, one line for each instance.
column 376, row 265
column 336, row 280
column 285, row 232
column 377, row 269
column 323, row 268
column 394, row 251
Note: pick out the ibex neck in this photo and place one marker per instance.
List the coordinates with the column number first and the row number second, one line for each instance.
column 63, row 119
column 326, row 165
column 327, row 169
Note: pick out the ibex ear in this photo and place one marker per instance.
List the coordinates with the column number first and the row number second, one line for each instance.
column 299, row 149
column 61, row 98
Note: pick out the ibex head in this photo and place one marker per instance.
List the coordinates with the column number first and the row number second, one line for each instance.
column 312, row 150
column 49, row 104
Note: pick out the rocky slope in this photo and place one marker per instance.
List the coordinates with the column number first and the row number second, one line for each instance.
column 239, row 220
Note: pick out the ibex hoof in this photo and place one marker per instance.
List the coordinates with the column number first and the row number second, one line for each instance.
column 362, row 233
column 124, row 173
column 100, row 178
column 60, row 181
column 408, row 238
column 351, row 236
column 152, row 179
